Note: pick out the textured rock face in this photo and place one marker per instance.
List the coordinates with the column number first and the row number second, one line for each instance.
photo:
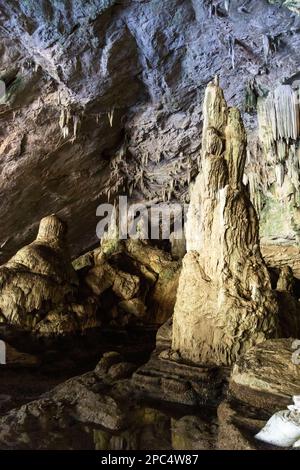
column 39, row 277
column 262, row 383
column 70, row 67
column 282, row 256
column 41, row 291
column 270, row 368
column 135, row 283
column 294, row 5
column 224, row 299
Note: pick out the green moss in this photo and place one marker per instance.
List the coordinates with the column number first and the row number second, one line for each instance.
column 83, row 261
column 277, row 218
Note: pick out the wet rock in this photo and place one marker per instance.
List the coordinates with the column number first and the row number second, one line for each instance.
column 238, row 425
column 268, row 375
column 84, row 261
column 108, row 360
column 178, row 245
column 149, row 256
column 15, row 358
column 83, row 399
column 98, row 279
column 193, row 433
column 165, row 379
column 144, row 276
column 277, row 256
column 103, row 276
column 122, row 370
column 164, row 336
column 149, row 429
column 125, row 285
column 163, row 295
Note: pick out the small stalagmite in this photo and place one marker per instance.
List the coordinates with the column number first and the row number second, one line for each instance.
column 225, row 303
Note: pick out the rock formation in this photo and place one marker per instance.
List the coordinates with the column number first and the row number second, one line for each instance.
column 78, row 64
column 262, row 383
column 39, row 277
column 42, row 292
column 134, row 281
column 224, row 301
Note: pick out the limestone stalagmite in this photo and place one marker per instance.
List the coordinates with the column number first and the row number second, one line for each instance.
column 38, row 277
column 224, row 301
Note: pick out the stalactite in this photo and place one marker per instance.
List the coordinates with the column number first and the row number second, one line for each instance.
column 279, row 131
column 231, row 51
column 278, row 115
column 279, row 172
column 266, row 46
column 65, row 131
column 75, row 125
column 110, row 116
column 251, row 96
column 62, row 118
column 227, row 5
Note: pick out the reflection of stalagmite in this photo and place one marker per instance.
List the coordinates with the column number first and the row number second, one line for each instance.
column 224, row 300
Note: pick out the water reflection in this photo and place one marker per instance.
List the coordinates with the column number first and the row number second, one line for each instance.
column 156, row 430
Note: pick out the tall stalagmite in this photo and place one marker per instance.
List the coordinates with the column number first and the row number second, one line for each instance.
column 224, row 301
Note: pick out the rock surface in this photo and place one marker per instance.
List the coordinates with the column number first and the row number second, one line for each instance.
column 38, row 278
column 262, row 382
column 225, row 301
column 282, row 255
column 270, row 370
column 40, row 291
column 169, row 379
column 70, row 69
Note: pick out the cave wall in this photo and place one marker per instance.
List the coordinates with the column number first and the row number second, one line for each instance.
column 99, row 85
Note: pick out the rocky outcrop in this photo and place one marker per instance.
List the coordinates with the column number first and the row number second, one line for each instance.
column 99, row 410
column 277, row 256
column 168, row 378
column 42, row 292
column 165, row 378
column 293, row 5
column 85, row 399
column 268, row 375
column 38, row 278
column 77, row 67
column 225, row 301
column 262, row 382
column 135, row 282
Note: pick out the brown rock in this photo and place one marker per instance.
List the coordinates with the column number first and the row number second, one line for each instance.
column 277, row 256
column 134, row 307
column 268, row 375
column 39, row 277
column 225, row 302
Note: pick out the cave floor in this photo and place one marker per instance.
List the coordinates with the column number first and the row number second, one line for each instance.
column 32, row 416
